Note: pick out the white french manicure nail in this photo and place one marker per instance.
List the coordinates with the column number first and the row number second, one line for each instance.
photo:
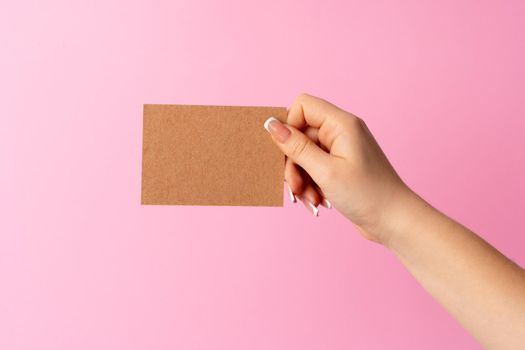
column 315, row 210
column 327, row 203
column 268, row 121
column 292, row 196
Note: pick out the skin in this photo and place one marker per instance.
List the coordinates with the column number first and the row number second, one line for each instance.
column 333, row 159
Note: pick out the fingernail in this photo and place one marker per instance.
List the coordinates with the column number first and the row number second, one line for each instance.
column 326, row 203
column 292, row 196
column 309, row 205
column 280, row 132
column 315, row 210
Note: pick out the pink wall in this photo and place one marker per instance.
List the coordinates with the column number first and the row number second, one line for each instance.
column 84, row 266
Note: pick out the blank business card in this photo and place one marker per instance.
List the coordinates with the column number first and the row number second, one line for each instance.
column 211, row 155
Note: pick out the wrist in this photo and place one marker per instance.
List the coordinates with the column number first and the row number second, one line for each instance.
column 401, row 217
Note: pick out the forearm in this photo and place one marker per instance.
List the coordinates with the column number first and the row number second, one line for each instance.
column 479, row 286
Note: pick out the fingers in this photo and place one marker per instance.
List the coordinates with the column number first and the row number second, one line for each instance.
column 299, row 148
column 292, row 174
column 313, row 134
column 324, row 201
column 312, row 111
column 301, row 187
column 293, row 179
column 302, row 150
column 311, row 199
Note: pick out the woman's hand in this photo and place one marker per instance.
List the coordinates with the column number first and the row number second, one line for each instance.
column 332, row 158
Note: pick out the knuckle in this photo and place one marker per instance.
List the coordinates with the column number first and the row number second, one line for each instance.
column 361, row 122
column 302, row 97
column 356, row 123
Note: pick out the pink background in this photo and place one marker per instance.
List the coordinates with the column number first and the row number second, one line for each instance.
column 84, row 266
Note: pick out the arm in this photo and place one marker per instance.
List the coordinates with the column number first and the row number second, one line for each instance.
column 333, row 158
column 474, row 282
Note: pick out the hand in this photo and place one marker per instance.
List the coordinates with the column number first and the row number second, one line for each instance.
column 331, row 155
column 332, row 158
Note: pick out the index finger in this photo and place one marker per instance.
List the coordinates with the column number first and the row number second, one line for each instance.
column 330, row 120
column 314, row 111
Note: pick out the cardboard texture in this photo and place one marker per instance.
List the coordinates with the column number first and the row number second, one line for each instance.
column 211, row 155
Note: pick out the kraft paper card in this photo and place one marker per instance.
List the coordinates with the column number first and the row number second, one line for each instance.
column 211, row 155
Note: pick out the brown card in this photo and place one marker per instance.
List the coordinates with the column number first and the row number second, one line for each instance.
column 211, row 155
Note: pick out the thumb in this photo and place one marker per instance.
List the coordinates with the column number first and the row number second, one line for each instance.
column 299, row 148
